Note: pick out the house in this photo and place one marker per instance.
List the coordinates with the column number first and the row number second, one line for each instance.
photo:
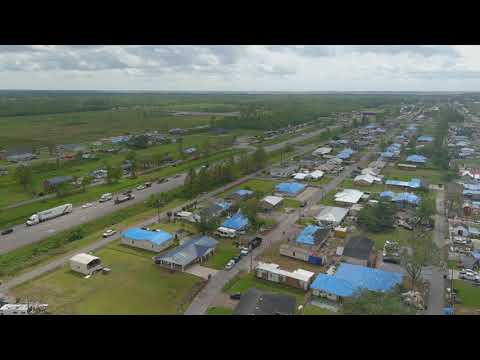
column 255, row 302
column 301, row 176
column 176, row 131
column 85, row 264
column 350, row 279
column 187, row 216
column 237, row 222
column 215, row 210
column 270, row 202
column 51, row 184
column 312, row 235
column 197, row 249
column 331, row 215
column 322, row 151
column 15, row 158
column 290, row 188
column 156, row 241
column 241, row 194
column 307, row 254
column 359, row 251
column 401, row 199
column 348, row 196
column 366, row 179
column 424, row 138
column 474, row 232
column 407, row 166
column 371, row 171
column 412, row 184
column 299, row 278
column 417, row 159
column 345, row 154
column 316, row 174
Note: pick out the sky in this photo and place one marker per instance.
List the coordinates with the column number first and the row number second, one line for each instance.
column 241, row 67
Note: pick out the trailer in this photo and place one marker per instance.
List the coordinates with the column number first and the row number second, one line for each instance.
column 49, row 214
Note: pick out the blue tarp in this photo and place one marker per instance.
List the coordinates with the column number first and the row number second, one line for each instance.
column 389, row 194
column 223, row 205
column 425, row 138
column 473, row 230
column 413, row 183
column 401, row 197
column 120, row 139
column 387, row 154
column 243, row 192
column 306, row 236
column 476, row 255
column 345, row 154
column 291, row 188
column 417, row 159
column 156, row 237
column 351, row 278
column 236, row 222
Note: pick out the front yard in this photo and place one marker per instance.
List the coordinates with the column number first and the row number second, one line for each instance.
column 470, row 296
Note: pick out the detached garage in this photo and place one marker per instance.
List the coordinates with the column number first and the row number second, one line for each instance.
column 85, row 263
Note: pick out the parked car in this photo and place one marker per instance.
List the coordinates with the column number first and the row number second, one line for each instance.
column 7, row 231
column 109, row 232
column 236, row 296
column 87, row 205
column 148, row 184
column 469, row 275
column 237, row 258
column 141, row 187
column 244, row 251
column 230, row 265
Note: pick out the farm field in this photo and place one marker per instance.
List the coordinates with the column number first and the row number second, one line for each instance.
column 135, row 286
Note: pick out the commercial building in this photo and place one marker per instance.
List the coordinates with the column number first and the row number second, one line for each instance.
column 148, row 240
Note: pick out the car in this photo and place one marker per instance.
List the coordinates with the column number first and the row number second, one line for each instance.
column 469, row 276
column 7, row 231
column 141, row 187
column 244, row 251
column 230, row 265
column 236, row 296
column 237, row 258
column 87, row 205
column 109, row 232
column 148, row 184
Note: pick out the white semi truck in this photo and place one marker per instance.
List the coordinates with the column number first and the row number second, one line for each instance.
column 49, row 214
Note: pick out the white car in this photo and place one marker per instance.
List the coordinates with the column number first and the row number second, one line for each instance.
column 230, row 265
column 140, row 187
column 109, row 233
column 244, row 251
column 469, row 275
column 87, row 205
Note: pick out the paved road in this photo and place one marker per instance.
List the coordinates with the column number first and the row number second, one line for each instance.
column 24, row 235
column 436, row 298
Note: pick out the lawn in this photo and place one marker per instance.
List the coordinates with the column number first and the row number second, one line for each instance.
column 470, row 296
column 219, row 311
column 290, row 203
column 262, row 186
column 329, row 198
column 315, row 310
column 244, row 281
column 429, row 175
column 397, row 234
column 134, row 286
column 223, row 253
column 374, row 188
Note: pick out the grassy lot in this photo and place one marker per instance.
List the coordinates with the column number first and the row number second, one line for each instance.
column 329, row 198
column 398, row 234
column 262, row 186
column 315, row 310
column 470, row 296
column 219, row 311
column 290, row 203
column 135, row 286
column 374, row 188
column 430, row 175
column 224, row 252
column 244, row 281
column 324, row 180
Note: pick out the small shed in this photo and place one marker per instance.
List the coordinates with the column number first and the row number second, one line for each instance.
column 85, row 263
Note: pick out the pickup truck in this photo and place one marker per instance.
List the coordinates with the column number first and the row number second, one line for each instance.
column 122, row 198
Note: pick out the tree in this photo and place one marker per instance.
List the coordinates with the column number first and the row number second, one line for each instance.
column 259, row 158
column 426, row 210
column 249, row 208
column 376, row 303
column 62, row 189
column 378, row 217
column 86, row 181
column 24, row 176
column 207, row 224
column 181, row 153
column 382, row 144
column 419, row 252
column 114, row 173
column 189, row 184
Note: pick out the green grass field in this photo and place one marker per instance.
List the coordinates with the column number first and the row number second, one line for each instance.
column 315, row 310
column 135, row 286
column 219, row 311
column 263, row 186
column 223, row 253
column 430, row 175
column 470, row 296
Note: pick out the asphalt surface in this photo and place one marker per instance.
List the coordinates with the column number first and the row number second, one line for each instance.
column 25, row 235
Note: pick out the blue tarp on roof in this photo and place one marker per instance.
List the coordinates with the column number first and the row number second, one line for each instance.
column 413, row 183
column 156, row 237
column 389, row 194
column 387, row 154
column 351, row 278
column 243, row 192
column 406, row 197
column 417, row 159
column 306, row 236
column 425, row 138
column 291, row 188
column 236, row 222
column 476, row 255
column 224, row 205
column 345, row 154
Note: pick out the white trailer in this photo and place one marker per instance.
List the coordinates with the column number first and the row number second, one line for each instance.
column 15, row 309
column 49, row 214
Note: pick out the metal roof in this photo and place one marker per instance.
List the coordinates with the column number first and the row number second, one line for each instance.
column 299, row 274
column 83, row 258
column 272, row 200
column 332, row 214
column 350, row 196
column 417, row 158
column 189, row 251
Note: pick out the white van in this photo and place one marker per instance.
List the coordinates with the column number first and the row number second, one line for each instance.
column 106, row 197
column 226, row 232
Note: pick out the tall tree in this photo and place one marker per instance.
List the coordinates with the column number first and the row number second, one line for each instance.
column 86, row 181
column 24, row 176
column 259, row 158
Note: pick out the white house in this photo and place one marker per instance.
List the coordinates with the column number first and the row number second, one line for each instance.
column 322, row 151
column 269, row 202
column 299, row 278
column 85, row 263
column 349, row 196
column 366, row 179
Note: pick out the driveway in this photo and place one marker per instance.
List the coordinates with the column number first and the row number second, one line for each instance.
column 201, row 271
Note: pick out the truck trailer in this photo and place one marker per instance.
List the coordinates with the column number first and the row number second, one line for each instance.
column 49, row 214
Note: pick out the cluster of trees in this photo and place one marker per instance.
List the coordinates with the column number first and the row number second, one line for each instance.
column 24, row 176
column 376, row 303
column 378, row 217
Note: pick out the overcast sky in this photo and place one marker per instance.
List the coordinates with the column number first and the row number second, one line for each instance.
column 241, row 68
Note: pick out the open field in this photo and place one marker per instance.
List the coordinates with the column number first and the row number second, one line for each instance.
column 262, row 186
column 135, row 286
column 470, row 296
column 430, row 175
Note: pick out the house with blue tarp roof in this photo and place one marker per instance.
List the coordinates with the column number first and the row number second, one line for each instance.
column 345, row 154
column 237, row 222
column 350, row 279
column 148, row 240
column 412, row 184
column 120, row 139
column 312, row 235
column 290, row 188
column 424, row 138
column 401, row 199
column 241, row 194
column 418, row 159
